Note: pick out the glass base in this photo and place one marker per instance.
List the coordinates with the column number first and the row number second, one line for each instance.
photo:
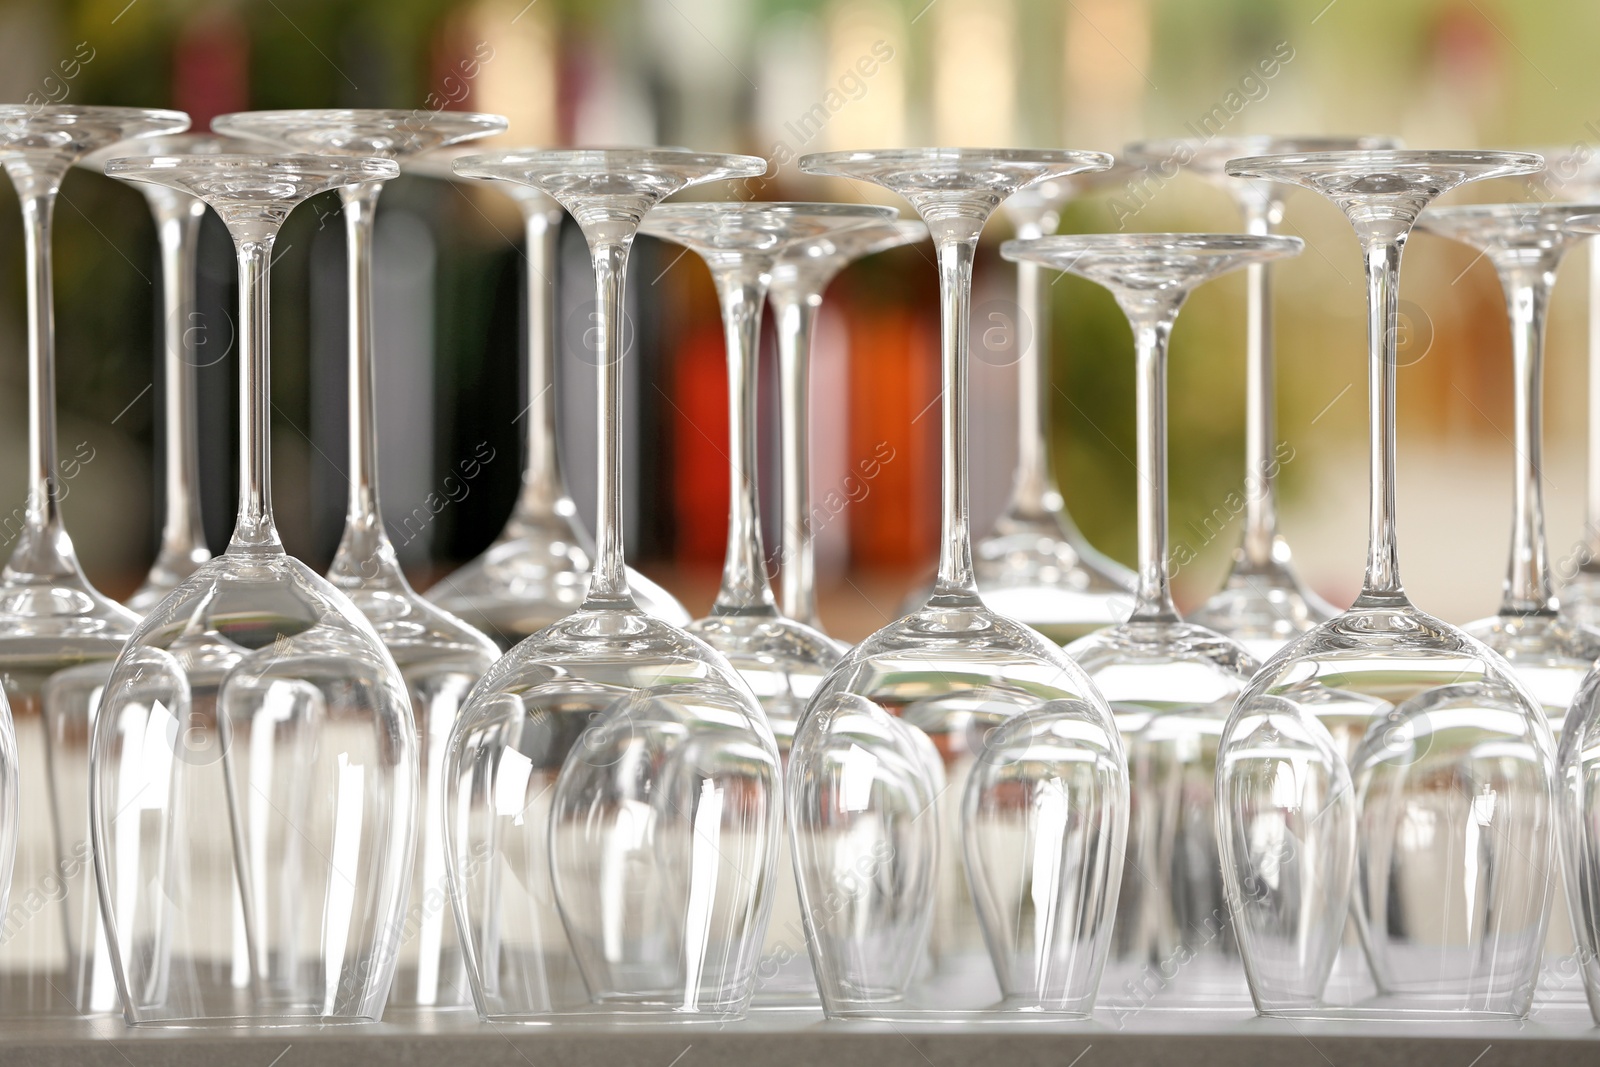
column 1262, row 608
column 1550, row 654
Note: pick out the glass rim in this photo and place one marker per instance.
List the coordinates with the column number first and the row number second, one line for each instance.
column 1036, row 249
column 1508, row 164
column 369, row 168
column 1252, row 145
column 1584, row 224
column 828, row 163
column 591, row 160
column 75, row 114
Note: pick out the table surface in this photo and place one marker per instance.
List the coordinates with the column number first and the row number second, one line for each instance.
column 802, row 1037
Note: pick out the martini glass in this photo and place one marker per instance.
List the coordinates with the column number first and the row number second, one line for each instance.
column 535, row 571
column 1382, row 764
column 1549, row 651
column 1170, row 683
column 1262, row 604
column 1022, row 743
column 58, row 634
column 440, row 657
column 799, row 278
column 254, row 772
column 177, row 217
column 782, row 659
column 611, row 786
column 1034, row 565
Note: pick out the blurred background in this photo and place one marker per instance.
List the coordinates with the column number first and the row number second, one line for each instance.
column 781, row 78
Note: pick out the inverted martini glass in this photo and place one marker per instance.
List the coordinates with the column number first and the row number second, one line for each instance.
column 985, row 888
column 253, row 781
column 1035, row 566
column 1549, row 651
column 1262, row 603
column 799, row 278
column 1384, row 721
column 535, row 571
column 782, row 659
column 1171, row 684
column 177, row 217
column 51, row 619
column 612, row 787
column 440, row 656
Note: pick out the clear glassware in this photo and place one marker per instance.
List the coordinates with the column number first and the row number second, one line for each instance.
column 1035, row 565
column 799, row 278
column 177, row 217
column 782, row 659
column 253, row 787
column 536, row 570
column 440, row 657
column 1170, row 684
column 998, row 902
column 58, row 634
column 1549, row 651
column 611, row 785
column 1262, row 604
column 1386, row 767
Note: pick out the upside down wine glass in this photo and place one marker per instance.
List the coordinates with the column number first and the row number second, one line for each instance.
column 1170, row 684
column 1386, row 766
column 1578, row 771
column 253, row 780
column 799, row 278
column 611, row 785
column 1549, row 651
column 1035, row 566
column 177, row 217
column 58, row 634
column 782, row 659
column 535, row 571
column 957, row 789
column 1262, row 603
column 440, row 657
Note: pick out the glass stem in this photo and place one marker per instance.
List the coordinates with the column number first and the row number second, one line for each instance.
column 608, row 585
column 1381, row 259
column 365, row 555
column 955, row 584
column 1034, row 496
column 1261, row 492
column 1152, row 327
column 1528, row 586
column 1592, row 526
column 178, row 233
column 37, row 551
column 542, row 487
column 745, row 589
column 795, row 310
column 255, row 529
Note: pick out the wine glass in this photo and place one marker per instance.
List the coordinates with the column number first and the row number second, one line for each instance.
column 1035, row 566
column 177, row 217
column 782, row 659
column 440, row 657
column 58, row 634
column 611, row 785
column 253, row 778
column 1381, row 765
column 1171, row 684
column 1262, row 604
column 799, row 278
column 535, row 571
column 955, row 697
